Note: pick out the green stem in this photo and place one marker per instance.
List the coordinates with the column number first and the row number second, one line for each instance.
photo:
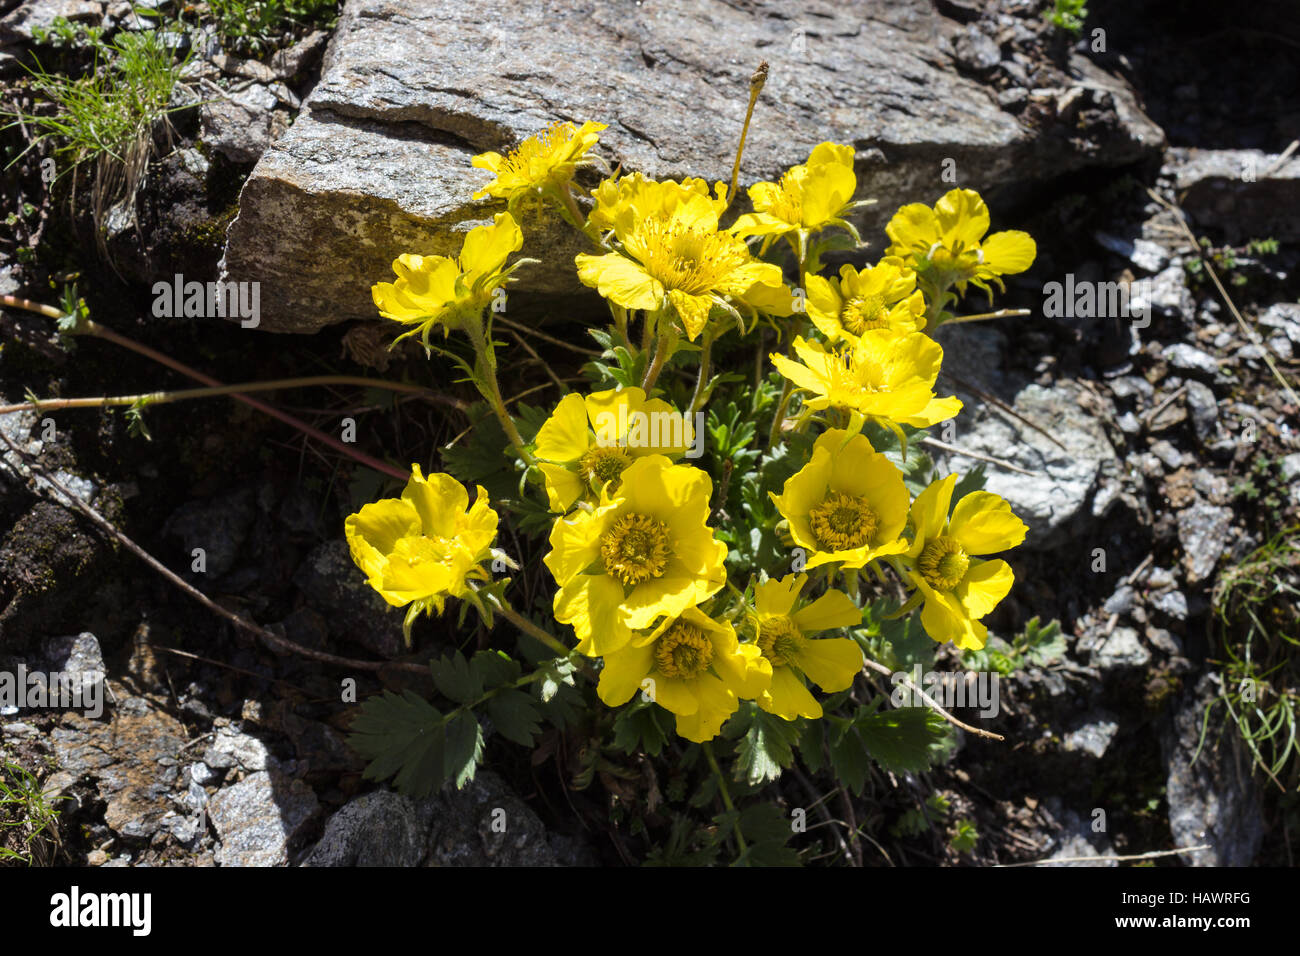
column 528, row 627
column 490, row 389
column 707, row 747
column 999, row 314
column 657, row 364
column 706, row 350
column 89, row 327
column 182, row 395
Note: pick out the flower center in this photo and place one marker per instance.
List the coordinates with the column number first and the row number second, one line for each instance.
column 842, row 522
column 788, row 204
column 687, row 259
column 943, row 563
column 536, row 157
column 683, row 651
column 602, row 463
column 421, row 549
column 780, row 640
column 864, row 312
column 636, row 549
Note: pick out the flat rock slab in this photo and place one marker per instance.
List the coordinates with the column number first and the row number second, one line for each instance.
column 378, row 163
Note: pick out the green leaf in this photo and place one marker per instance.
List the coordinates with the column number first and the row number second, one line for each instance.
column 973, row 480
column 766, row 748
column 812, row 745
column 849, row 757
column 900, row 740
column 455, row 679
column 464, row 748
column 639, row 727
column 495, row 668
column 767, row 830
column 514, row 716
column 402, row 737
column 1042, row 644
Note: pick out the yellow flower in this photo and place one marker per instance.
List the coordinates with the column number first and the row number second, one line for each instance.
column 885, row 375
column 848, row 504
column 644, row 553
column 949, row 239
column 883, row 296
column 587, row 442
column 541, row 163
column 440, row 290
column 784, row 637
column 692, row 666
column 808, row 198
column 622, row 203
column 424, row 546
column 683, row 261
column 957, row 589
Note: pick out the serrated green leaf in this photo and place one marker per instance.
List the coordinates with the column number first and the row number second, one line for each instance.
column 812, row 745
column 514, row 716
column 640, row 727
column 900, row 740
column 849, row 757
column 455, row 679
column 464, row 748
column 401, row 736
column 495, row 669
column 767, row 830
column 766, row 748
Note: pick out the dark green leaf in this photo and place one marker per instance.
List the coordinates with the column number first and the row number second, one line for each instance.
column 514, row 716
column 464, row 748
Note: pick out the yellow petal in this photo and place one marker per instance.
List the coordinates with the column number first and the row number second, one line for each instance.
column 440, row 500
column 788, row 697
column 830, row 663
column 563, row 437
column 985, row 584
column 487, row 247
column 983, row 523
column 590, row 602
column 563, row 487
column 623, row 674
column 963, row 218
column 930, row 511
column 776, row 598
column 1006, row 253
column 620, row 280
column 833, row 609
column 693, row 310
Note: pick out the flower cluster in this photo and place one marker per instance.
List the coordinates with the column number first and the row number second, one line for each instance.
column 639, row 568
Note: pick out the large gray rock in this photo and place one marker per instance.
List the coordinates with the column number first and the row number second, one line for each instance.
column 1062, row 480
column 1246, row 193
column 486, row 824
column 1214, row 800
column 258, row 818
column 378, row 163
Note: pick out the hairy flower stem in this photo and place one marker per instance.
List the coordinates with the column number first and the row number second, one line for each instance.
column 724, row 792
column 527, row 626
column 701, row 383
column 657, row 364
column 87, row 327
column 164, row 398
column 999, row 314
column 755, row 87
column 490, row 389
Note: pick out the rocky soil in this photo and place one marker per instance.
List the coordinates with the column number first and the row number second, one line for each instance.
column 1160, row 448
